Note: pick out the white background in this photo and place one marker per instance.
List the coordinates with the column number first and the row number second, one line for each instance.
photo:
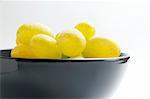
column 127, row 23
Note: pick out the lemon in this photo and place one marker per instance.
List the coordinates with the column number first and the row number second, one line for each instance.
column 22, row 51
column 71, row 42
column 77, row 57
column 98, row 47
column 63, row 56
column 27, row 31
column 87, row 29
column 45, row 47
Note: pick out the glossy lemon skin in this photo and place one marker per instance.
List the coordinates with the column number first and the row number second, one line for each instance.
column 27, row 31
column 87, row 29
column 45, row 47
column 71, row 42
column 22, row 51
column 98, row 47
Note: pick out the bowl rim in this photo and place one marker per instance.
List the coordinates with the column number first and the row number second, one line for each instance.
column 124, row 58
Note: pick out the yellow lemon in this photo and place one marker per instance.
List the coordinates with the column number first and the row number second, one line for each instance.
column 77, row 57
column 71, row 42
column 27, row 31
column 98, row 47
column 87, row 29
column 45, row 47
column 63, row 56
column 22, row 51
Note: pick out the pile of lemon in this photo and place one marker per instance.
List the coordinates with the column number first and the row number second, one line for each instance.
column 36, row 40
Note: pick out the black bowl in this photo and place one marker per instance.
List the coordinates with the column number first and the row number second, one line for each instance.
column 60, row 78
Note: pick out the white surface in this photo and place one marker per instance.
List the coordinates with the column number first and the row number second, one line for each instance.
column 125, row 23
